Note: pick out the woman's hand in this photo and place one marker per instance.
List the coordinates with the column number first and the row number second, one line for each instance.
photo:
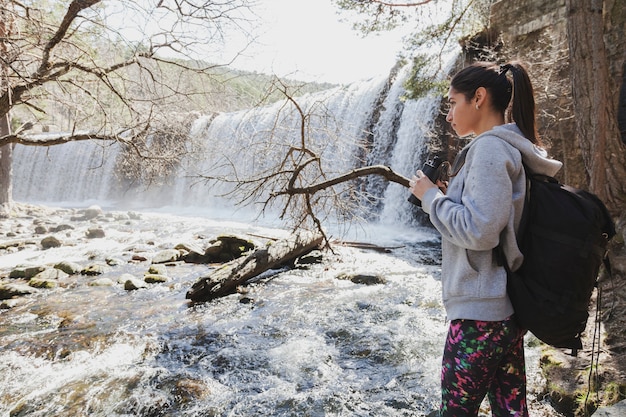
column 420, row 183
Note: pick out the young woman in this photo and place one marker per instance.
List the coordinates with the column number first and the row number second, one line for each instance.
column 481, row 209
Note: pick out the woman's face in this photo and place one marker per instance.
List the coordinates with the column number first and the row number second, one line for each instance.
column 462, row 114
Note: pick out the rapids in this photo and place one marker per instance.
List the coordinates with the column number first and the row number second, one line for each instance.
column 309, row 344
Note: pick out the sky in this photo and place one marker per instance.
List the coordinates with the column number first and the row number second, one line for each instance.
column 305, row 40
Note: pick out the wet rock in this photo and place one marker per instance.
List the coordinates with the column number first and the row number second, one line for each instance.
column 51, row 274
column 70, row 268
column 134, row 284
column 10, row 303
column 214, row 250
column 43, row 283
column 12, row 289
column 155, row 278
column 193, row 254
column 95, row 269
column 124, row 277
column 26, row 272
column 363, row 278
column 95, row 233
column 101, row 282
column 114, row 261
column 226, row 248
column 617, row 410
column 61, row 228
column 313, row 257
column 139, row 258
column 134, row 216
column 167, row 255
column 50, row 242
column 234, row 246
column 89, row 213
column 159, row 269
column 189, row 390
column 41, row 230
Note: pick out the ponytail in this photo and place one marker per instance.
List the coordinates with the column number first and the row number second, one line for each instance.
column 517, row 95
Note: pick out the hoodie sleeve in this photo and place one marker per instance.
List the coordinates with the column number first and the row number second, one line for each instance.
column 478, row 203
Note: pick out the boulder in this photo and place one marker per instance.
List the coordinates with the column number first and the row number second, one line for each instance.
column 226, row 248
column 91, row 212
column 157, row 269
column 50, row 242
column 41, row 229
column 11, row 289
column 51, row 274
column 26, row 272
column 95, row 269
column 61, row 227
column 193, row 254
column 616, row 410
column 167, row 255
column 94, row 233
column 101, row 282
column 134, row 284
column 43, row 283
column 365, row 279
column 155, row 278
column 70, row 268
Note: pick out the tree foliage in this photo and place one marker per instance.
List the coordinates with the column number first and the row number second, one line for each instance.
column 79, row 65
column 126, row 71
column 439, row 24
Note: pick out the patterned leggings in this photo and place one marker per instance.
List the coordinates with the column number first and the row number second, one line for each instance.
column 483, row 358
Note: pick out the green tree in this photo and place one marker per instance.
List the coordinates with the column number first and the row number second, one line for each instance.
column 595, row 33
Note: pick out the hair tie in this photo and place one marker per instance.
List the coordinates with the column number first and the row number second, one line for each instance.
column 504, row 68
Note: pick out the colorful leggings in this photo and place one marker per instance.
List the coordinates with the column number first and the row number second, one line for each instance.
column 483, row 358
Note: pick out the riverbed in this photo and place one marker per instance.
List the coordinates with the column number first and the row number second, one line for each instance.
column 295, row 342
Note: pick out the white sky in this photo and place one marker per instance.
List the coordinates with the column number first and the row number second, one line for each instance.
column 305, row 40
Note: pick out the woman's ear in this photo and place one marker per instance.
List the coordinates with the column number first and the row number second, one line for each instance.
column 479, row 97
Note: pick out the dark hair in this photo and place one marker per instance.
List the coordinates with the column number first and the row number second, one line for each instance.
column 518, row 93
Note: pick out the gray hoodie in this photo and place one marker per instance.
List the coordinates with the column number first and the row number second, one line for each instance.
column 482, row 208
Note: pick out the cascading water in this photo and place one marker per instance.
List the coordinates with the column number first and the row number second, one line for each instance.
column 309, row 343
column 365, row 118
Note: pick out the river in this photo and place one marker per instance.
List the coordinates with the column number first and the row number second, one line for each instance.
column 301, row 342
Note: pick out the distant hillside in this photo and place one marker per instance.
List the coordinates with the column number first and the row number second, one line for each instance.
column 205, row 88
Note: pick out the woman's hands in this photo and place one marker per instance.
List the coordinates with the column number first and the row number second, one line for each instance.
column 420, row 183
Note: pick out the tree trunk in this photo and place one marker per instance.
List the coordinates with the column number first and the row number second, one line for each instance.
column 6, row 174
column 595, row 112
column 224, row 281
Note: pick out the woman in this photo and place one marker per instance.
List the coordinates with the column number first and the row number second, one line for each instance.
column 481, row 209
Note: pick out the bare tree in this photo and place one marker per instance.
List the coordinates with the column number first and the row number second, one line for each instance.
column 106, row 70
column 300, row 180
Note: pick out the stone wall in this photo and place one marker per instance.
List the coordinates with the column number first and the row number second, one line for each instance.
column 520, row 17
column 535, row 32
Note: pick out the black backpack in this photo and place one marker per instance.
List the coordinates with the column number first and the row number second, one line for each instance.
column 564, row 234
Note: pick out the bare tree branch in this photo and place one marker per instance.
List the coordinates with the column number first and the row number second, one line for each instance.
column 381, row 170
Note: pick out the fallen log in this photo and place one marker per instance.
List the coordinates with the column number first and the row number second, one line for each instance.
column 224, row 281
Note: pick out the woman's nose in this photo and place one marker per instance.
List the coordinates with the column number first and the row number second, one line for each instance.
column 449, row 117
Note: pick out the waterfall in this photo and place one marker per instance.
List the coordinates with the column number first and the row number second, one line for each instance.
column 365, row 123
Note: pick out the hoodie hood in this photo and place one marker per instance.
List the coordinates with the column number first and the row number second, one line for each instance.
column 534, row 157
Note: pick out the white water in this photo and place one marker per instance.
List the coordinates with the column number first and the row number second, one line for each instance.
column 309, row 345
column 339, row 120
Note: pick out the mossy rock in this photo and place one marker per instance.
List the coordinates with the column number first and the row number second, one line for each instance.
column 70, row 268
column 46, row 284
column 155, row 278
column 95, row 269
